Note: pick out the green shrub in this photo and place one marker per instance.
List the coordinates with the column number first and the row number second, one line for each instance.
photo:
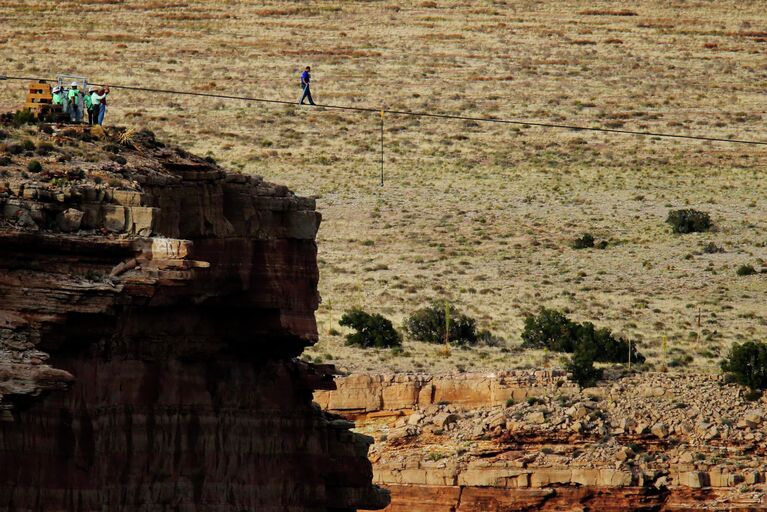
column 28, row 145
column 372, row 330
column 712, row 248
column 21, row 117
column 746, row 270
column 747, row 364
column 552, row 330
column 34, row 166
column 44, row 148
column 680, row 361
column 119, row 159
column 585, row 241
column 581, row 366
column 428, row 324
column 689, row 221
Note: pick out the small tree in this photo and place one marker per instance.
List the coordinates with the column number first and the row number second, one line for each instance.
column 549, row 329
column 581, row 366
column 372, row 330
column 429, row 325
column 747, row 363
column 552, row 330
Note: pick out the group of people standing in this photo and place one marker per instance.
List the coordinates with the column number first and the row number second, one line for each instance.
column 75, row 102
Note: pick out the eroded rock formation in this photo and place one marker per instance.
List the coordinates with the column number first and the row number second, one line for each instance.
column 152, row 306
column 533, row 441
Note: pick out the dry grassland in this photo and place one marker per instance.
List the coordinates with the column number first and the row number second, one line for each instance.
column 481, row 214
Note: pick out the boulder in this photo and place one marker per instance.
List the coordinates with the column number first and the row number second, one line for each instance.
column 659, row 430
column 444, row 419
column 69, row 220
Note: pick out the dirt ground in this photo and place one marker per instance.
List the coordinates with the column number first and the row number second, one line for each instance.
column 477, row 213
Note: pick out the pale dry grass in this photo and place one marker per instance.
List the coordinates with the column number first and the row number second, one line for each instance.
column 481, row 214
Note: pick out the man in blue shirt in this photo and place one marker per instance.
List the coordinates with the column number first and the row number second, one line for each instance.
column 306, row 79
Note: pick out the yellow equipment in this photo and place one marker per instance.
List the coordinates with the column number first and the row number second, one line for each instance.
column 39, row 98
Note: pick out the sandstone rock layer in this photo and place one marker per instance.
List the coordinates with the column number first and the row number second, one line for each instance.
column 532, row 441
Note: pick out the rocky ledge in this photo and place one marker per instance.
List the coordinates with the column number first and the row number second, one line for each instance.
column 532, row 440
column 152, row 306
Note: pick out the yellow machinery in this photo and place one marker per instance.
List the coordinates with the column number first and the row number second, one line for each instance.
column 39, row 98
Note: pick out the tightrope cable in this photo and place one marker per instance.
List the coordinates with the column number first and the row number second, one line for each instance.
column 434, row 115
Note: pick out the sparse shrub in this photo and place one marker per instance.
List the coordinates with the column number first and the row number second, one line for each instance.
column 3, row 135
column 746, row 270
column 585, row 241
column 372, row 330
column 5, row 160
column 44, row 148
column 15, row 149
column 34, row 166
column 689, row 221
column 22, row 117
column 487, row 338
column 747, row 364
column 681, row 361
column 428, row 324
column 552, row 330
column 712, row 248
column 119, row 159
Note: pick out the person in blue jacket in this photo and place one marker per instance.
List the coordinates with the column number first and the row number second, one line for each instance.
column 306, row 79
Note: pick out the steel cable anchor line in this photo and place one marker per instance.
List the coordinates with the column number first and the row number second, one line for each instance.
column 435, row 115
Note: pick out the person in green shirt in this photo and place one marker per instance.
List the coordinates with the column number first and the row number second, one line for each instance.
column 58, row 98
column 92, row 115
column 75, row 99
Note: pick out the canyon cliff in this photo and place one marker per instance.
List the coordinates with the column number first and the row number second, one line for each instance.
column 152, row 308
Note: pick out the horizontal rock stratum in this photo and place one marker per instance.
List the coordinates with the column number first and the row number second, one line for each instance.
column 532, row 440
column 152, row 306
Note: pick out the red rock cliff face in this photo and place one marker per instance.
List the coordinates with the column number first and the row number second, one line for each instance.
column 147, row 356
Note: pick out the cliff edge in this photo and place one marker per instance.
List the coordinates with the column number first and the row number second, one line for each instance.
column 152, row 306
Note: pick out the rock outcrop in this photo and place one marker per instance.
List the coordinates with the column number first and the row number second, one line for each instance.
column 152, row 306
column 532, row 440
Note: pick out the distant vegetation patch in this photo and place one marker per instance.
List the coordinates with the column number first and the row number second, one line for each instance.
column 747, row 364
column 587, row 241
column 689, row 221
column 746, row 270
column 552, row 330
column 372, row 330
column 431, row 323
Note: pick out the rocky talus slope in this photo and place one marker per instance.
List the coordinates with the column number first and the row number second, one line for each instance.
column 532, row 440
column 152, row 306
